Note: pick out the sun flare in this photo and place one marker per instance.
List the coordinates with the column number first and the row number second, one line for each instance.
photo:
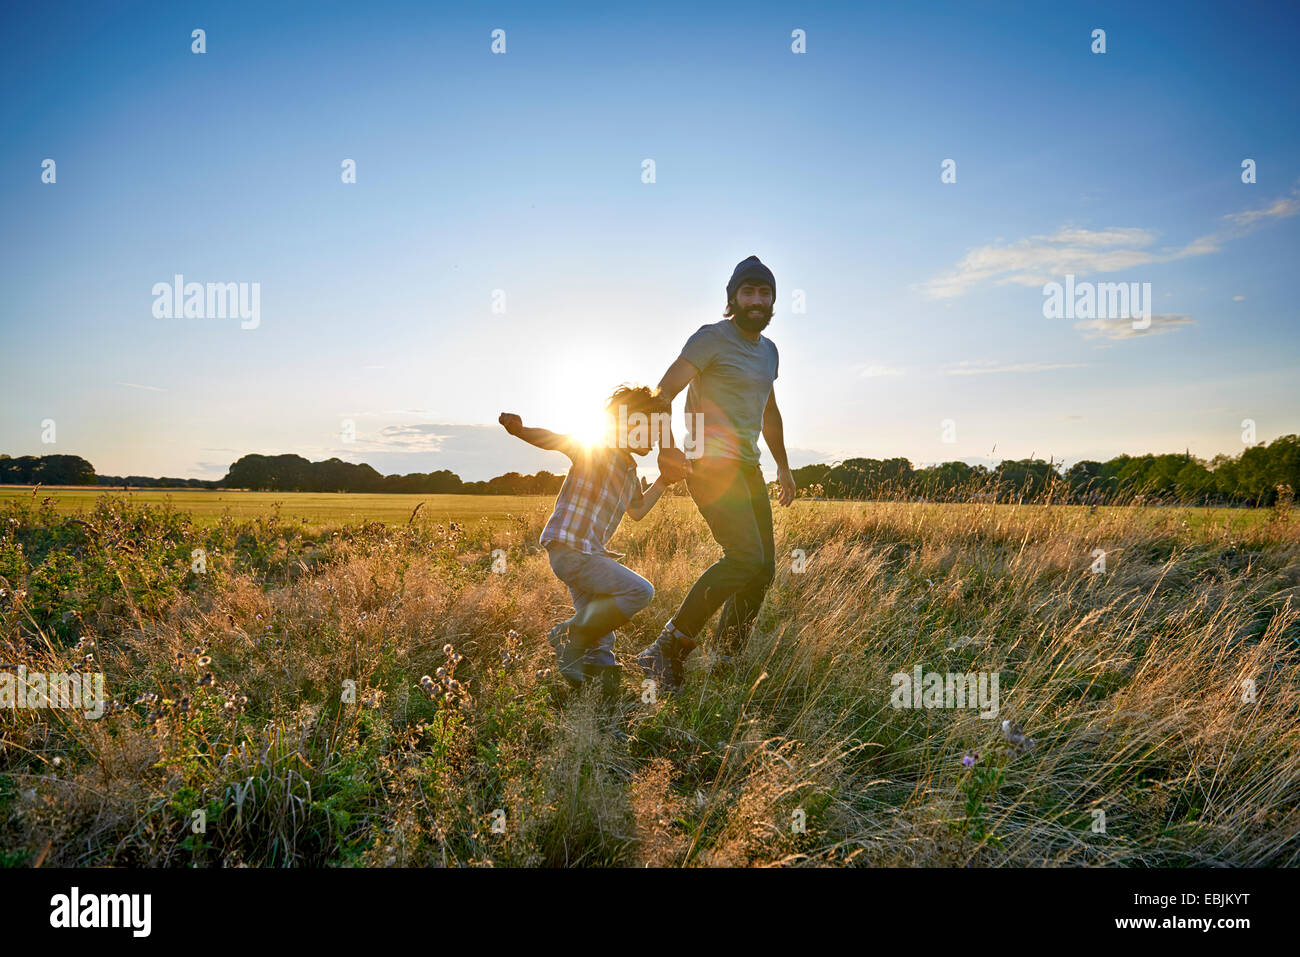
column 580, row 413
column 589, row 427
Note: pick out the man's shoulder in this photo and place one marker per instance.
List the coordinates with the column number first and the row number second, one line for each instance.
column 711, row 329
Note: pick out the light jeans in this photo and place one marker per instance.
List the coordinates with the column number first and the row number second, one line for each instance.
column 591, row 576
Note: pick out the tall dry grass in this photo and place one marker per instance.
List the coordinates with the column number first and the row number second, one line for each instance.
column 1129, row 682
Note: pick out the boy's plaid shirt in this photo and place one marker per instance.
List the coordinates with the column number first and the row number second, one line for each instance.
column 597, row 491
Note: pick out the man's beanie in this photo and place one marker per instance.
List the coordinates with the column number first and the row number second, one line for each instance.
column 750, row 269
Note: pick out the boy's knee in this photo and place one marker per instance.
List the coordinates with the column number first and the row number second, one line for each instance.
column 643, row 594
column 635, row 596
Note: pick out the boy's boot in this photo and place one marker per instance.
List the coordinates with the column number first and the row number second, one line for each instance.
column 609, row 678
column 663, row 660
column 601, row 667
column 600, row 617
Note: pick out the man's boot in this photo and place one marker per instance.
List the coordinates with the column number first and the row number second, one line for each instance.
column 663, row 660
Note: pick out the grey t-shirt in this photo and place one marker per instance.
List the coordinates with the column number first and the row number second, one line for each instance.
column 731, row 391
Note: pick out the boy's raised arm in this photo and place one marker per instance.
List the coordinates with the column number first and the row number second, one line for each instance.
column 542, row 438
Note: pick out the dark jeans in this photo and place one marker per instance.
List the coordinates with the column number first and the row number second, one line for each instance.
column 732, row 497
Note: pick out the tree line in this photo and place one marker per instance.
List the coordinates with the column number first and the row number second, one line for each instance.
column 1259, row 476
column 293, row 473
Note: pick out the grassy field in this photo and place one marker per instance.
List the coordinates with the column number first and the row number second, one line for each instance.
column 317, row 508
column 327, row 508
column 1159, row 696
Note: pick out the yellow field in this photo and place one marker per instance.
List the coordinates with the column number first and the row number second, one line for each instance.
column 344, row 508
column 318, row 508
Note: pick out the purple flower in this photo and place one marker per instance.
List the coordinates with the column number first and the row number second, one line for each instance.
column 969, row 760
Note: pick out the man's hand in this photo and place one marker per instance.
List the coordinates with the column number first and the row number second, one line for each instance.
column 673, row 465
column 514, row 425
column 788, row 489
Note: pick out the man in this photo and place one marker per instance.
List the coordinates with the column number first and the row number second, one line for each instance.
column 730, row 367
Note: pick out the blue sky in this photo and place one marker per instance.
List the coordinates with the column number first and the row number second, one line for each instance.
column 522, row 172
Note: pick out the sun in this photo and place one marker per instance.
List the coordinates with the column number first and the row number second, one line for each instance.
column 579, row 410
column 589, row 426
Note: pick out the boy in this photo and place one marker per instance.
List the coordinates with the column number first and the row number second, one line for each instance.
column 600, row 487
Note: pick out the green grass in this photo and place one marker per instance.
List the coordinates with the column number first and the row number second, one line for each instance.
column 1129, row 681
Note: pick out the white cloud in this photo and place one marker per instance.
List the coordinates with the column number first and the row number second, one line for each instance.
column 1036, row 260
column 1280, row 208
column 409, row 438
column 1118, row 329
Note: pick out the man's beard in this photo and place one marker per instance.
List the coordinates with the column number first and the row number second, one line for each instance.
column 753, row 318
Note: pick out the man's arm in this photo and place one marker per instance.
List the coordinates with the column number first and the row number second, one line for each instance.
column 774, row 435
column 542, row 438
column 679, row 375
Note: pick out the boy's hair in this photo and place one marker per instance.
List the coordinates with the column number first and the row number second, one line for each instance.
column 637, row 398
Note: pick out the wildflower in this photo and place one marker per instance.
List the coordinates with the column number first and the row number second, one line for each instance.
column 1016, row 736
column 184, row 705
column 204, row 661
column 968, row 760
column 207, row 680
column 447, row 649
